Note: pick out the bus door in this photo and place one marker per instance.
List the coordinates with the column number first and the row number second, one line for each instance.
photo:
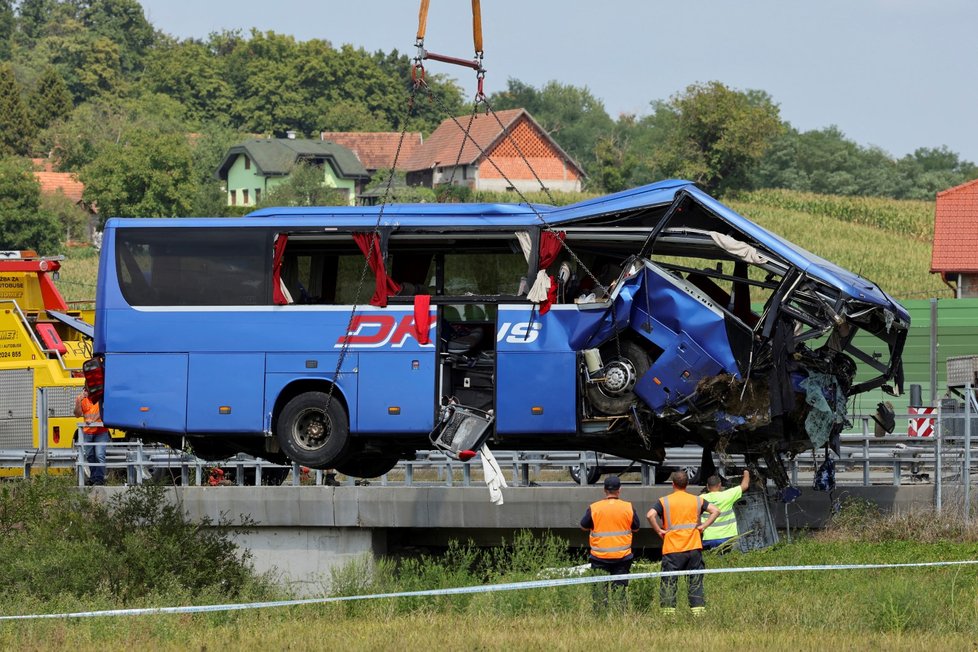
column 536, row 387
column 396, row 370
column 468, row 354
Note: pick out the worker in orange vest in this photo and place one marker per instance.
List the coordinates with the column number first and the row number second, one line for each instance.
column 676, row 518
column 611, row 522
column 96, row 436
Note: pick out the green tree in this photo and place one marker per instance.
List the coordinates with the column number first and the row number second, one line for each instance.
column 717, row 134
column 931, row 169
column 73, row 219
column 123, row 23
column 304, row 187
column 825, row 161
column 23, row 223
column 90, row 63
column 146, row 175
column 210, row 146
column 615, row 164
column 350, row 115
column 50, row 100
column 33, row 16
column 7, row 24
column 189, row 73
column 106, row 121
column 16, row 127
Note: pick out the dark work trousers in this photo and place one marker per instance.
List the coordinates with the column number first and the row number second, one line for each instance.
column 613, row 567
column 678, row 561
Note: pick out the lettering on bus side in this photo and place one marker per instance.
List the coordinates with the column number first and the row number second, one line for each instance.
column 519, row 333
column 375, row 331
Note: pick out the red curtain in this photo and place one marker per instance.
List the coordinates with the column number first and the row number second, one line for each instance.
column 422, row 318
column 550, row 246
column 278, row 297
column 369, row 244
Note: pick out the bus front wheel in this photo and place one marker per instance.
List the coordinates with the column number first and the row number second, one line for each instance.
column 313, row 430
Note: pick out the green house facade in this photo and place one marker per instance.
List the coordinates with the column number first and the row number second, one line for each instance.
column 253, row 168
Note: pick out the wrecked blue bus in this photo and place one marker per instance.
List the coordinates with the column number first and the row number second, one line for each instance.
column 335, row 337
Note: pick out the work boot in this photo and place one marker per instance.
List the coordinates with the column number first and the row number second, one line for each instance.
column 668, row 611
column 331, row 480
column 698, row 611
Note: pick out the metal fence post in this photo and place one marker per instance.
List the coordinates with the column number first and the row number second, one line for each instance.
column 938, row 473
column 865, row 452
column 933, row 351
column 80, row 464
column 966, row 471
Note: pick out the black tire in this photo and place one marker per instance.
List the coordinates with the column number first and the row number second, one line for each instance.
column 309, row 433
column 593, row 470
column 638, row 359
column 366, row 466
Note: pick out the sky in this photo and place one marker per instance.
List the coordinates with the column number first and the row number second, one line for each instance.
column 897, row 74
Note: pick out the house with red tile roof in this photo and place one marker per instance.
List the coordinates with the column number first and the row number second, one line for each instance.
column 376, row 149
column 955, row 252
column 64, row 182
column 490, row 159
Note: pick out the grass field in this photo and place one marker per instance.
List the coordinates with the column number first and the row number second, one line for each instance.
column 67, row 551
column 879, row 609
column 888, row 241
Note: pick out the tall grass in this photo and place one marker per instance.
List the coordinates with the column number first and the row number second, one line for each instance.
column 899, row 264
column 78, row 276
column 911, row 218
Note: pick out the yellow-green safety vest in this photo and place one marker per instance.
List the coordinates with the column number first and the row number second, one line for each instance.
column 726, row 524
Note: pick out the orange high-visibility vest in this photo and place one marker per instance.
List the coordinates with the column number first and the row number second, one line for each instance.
column 611, row 537
column 92, row 414
column 680, row 516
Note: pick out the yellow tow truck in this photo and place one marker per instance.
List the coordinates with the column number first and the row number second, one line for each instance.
column 43, row 344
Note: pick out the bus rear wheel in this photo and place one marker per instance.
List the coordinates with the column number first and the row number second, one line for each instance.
column 313, row 430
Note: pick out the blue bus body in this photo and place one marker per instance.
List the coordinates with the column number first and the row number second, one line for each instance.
column 662, row 350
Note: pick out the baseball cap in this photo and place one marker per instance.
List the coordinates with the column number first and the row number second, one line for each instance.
column 612, row 482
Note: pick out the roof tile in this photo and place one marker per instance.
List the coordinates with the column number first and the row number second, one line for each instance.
column 66, row 182
column 376, row 149
column 956, row 230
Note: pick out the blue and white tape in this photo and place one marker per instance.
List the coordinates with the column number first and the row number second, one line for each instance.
column 485, row 588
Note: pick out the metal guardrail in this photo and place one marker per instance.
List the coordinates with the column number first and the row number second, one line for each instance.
column 863, row 460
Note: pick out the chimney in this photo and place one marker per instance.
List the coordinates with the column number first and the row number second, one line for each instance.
column 290, row 134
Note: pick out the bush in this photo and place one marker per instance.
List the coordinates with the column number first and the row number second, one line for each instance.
column 57, row 541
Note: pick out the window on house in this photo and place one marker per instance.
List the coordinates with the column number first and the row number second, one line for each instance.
column 257, row 195
column 247, row 163
column 244, row 196
column 234, row 197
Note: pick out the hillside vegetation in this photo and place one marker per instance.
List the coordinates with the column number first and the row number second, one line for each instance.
column 886, row 240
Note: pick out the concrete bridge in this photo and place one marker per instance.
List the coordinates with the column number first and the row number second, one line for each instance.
column 303, row 532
